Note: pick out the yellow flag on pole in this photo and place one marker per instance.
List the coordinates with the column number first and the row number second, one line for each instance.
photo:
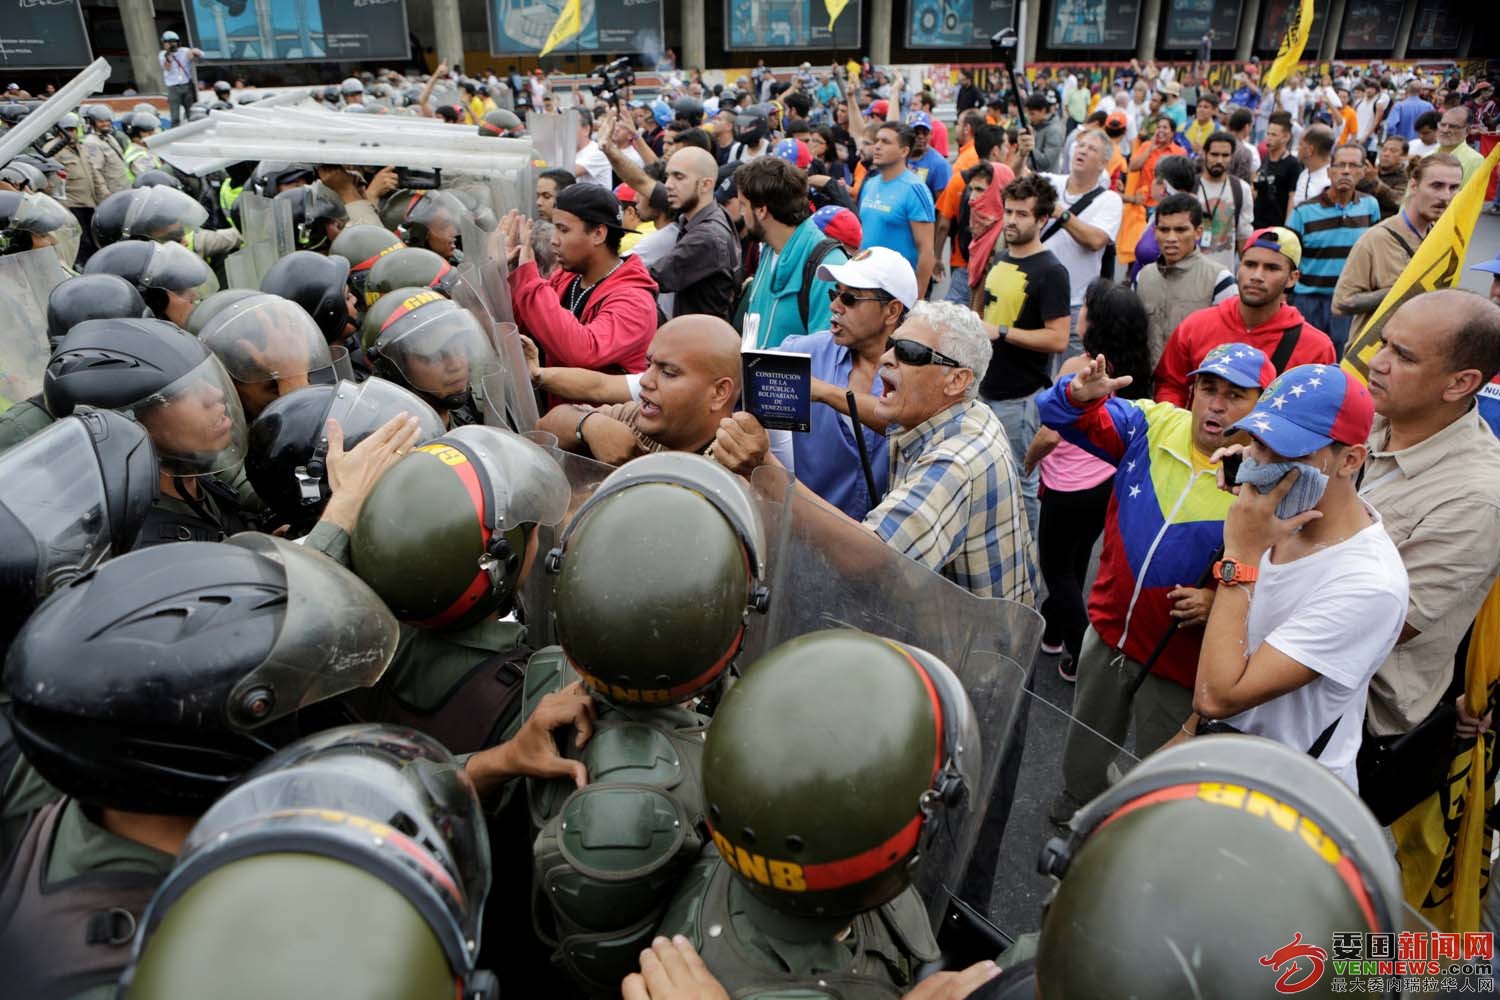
column 568, row 24
column 1292, row 45
column 835, row 8
column 1435, row 265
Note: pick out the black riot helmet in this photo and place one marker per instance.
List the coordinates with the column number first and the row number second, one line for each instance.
column 204, row 648
column 155, row 269
column 159, row 213
column 287, row 455
column 157, row 178
column 373, row 834
column 689, row 109
column 270, row 176
column 317, row 216
column 317, row 283
column 72, row 495
column 91, row 296
column 751, row 126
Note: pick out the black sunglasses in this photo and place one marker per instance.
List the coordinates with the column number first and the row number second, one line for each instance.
column 849, row 298
column 916, row 354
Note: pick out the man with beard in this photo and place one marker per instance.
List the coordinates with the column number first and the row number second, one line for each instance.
column 599, row 309
column 1227, row 202
column 1382, row 253
column 1258, row 317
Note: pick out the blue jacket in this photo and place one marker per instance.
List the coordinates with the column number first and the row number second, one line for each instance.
column 772, row 312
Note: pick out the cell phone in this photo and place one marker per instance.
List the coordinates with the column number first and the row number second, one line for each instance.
column 1232, row 467
column 1370, row 156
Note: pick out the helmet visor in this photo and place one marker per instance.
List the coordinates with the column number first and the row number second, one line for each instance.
column 528, row 485
column 52, row 483
column 49, row 224
column 268, row 338
column 440, row 351
column 337, row 635
column 196, row 422
column 363, row 408
column 177, row 269
column 163, row 214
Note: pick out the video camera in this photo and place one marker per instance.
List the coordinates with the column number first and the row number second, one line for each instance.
column 614, row 78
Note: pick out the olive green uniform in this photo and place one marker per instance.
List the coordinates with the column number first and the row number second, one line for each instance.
column 22, row 420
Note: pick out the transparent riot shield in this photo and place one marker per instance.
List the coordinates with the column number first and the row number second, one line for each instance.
column 266, row 226
column 584, row 476
column 555, row 137
column 828, row 572
column 26, row 280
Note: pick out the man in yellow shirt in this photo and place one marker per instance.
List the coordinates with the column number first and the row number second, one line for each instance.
column 1203, row 124
column 635, row 226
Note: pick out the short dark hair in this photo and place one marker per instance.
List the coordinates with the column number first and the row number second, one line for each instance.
column 1428, row 119
column 695, row 137
column 1037, row 101
column 980, row 169
column 1178, row 171
column 904, row 136
column 1177, row 204
column 678, row 125
column 1097, row 118
column 799, row 102
column 1476, row 341
column 1351, row 145
column 986, row 138
column 656, row 170
column 1405, row 146
column 1208, row 99
column 974, row 118
column 613, row 238
column 771, row 183
column 1031, row 186
column 585, row 117
column 560, row 177
column 1282, row 118
column 794, row 125
column 1240, row 119
column 1221, row 137
column 1319, row 138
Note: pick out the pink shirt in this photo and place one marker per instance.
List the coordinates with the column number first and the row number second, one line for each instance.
column 1069, row 469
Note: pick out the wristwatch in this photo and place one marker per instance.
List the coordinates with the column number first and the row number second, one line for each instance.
column 1066, row 215
column 1231, row 572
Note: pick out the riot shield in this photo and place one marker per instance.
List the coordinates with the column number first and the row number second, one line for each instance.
column 26, row 280
column 584, row 476
column 555, row 137
column 828, row 572
column 266, row 226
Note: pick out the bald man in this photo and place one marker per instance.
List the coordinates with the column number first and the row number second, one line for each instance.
column 703, row 269
column 691, row 382
column 1433, row 473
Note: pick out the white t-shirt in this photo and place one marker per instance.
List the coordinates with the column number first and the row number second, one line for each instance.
column 1310, row 184
column 1337, row 612
column 592, row 159
column 1366, row 111
column 652, row 249
column 1103, row 213
column 1418, row 149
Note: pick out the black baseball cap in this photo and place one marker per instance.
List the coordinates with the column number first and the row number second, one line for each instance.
column 725, row 190
column 593, row 205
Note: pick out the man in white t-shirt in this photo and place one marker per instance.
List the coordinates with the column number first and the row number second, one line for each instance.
column 1078, row 236
column 1310, row 587
column 1316, row 152
column 590, row 164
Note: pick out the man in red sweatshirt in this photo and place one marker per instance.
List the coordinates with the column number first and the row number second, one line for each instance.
column 599, row 309
column 1258, row 316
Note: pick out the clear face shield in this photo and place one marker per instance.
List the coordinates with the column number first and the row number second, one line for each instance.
column 196, row 422
column 175, row 268
column 271, row 347
column 442, row 355
column 39, row 221
column 162, row 214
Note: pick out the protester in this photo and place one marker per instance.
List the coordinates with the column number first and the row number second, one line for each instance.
column 1162, row 532
column 1315, row 151
column 1387, row 178
column 1226, row 200
column 548, row 185
column 1138, row 197
column 1276, row 180
column 1047, row 133
column 1383, row 251
column 895, row 208
column 179, row 74
column 1402, row 119
column 1328, row 226
column 1453, row 139
column 953, row 200
column 1184, row 279
column 589, row 163
column 929, row 164
column 1085, row 221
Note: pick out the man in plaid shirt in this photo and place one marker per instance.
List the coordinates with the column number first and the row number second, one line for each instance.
column 955, row 503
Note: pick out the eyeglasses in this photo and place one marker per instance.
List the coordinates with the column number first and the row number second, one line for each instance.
column 917, row 354
column 1452, row 127
column 849, row 298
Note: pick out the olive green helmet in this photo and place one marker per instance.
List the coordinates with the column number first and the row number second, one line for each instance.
column 214, row 304
column 430, row 219
column 355, row 860
column 419, row 339
column 444, row 536
column 824, row 764
column 501, row 123
column 656, row 576
column 1220, row 849
column 409, row 267
column 362, row 246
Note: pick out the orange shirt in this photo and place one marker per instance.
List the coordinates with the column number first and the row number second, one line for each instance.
column 952, row 196
column 859, row 178
column 1351, row 125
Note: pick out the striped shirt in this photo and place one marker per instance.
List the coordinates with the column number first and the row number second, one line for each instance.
column 1328, row 232
column 955, row 503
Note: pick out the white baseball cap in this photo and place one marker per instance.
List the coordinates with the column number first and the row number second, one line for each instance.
column 879, row 268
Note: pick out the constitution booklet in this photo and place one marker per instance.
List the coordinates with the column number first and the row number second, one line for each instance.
column 778, row 389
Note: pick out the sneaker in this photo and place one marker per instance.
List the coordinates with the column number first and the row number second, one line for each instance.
column 1067, row 669
column 1051, row 648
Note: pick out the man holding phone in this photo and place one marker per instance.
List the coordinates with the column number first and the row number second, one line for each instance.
column 1310, row 585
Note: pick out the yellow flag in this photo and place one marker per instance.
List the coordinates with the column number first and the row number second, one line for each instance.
column 1435, row 265
column 835, row 8
column 568, row 24
column 1292, row 45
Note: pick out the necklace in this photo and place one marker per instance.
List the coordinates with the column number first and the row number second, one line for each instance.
column 579, row 289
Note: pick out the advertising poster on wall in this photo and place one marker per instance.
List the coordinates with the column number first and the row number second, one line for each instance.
column 297, row 30
column 521, row 27
column 1189, row 20
column 956, row 24
column 45, row 35
column 1089, row 24
column 1438, row 27
column 1276, row 15
column 789, row 24
column 1371, row 25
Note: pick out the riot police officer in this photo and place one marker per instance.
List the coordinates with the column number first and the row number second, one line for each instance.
column 204, row 312
column 270, row 347
column 421, row 340
column 431, row 219
column 33, row 221
column 140, row 126
column 827, row 770
column 317, row 216
column 501, row 123
column 169, row 276
column 90, row 296
column 658, row 575
column 411, row 267
column 103, row 148
column 158, row 213
column 319, row 284
column 211, row 656
column 362, row 246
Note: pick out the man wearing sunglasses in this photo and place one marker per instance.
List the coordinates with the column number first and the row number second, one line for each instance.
column 955, row 501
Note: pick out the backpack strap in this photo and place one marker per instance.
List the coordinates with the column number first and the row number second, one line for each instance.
column 810, row 266
column 1284, row 349
column 1079, row 207
column 1321, row 743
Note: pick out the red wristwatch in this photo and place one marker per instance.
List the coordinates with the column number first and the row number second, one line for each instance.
column 1231, row 572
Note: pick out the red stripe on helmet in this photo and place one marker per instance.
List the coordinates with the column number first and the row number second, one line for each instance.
column 867, row 864
column 480, row 584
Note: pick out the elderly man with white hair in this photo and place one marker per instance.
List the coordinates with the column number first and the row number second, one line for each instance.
column 955, row 500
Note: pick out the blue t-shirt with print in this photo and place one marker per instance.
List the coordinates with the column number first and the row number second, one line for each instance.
column 933, row 170
column 888, row 208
